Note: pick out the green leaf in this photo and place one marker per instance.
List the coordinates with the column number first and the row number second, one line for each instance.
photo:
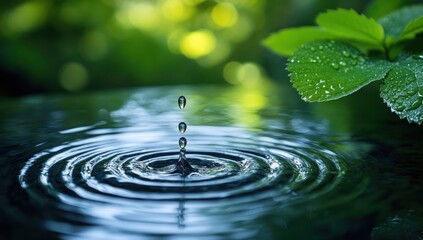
column 328, row 70
column 412, row 29
column 402, row 89
column 395, row 22
column 285, row 42
column 348, row 24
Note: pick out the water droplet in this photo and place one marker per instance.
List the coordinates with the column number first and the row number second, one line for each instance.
column 354, row 63
column 345, row 53
column 182, row 101
column 361, row 59
column 415, row 104
column 412, row 91
column 320, row 47
column 418, row 56
column 182, row 127
column 335, row 66
column 400, row 108
column 312, row 49
column 182, row 142
column 342, row 63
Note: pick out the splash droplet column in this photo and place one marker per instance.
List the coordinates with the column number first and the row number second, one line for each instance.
column 182, row 166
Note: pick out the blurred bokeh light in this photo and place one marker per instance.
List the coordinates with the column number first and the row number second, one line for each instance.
column 79, row 45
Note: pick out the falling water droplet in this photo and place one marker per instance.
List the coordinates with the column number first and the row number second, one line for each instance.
column 182, row 127
column 182, row 142
column 182, row 166
column 182, row 101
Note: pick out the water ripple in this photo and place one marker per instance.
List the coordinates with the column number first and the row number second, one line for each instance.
column 107, row 179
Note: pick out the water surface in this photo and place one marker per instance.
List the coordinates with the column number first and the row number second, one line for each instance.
column 96, row 166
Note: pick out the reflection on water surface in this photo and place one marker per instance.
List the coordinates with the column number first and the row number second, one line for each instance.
column 97, row 167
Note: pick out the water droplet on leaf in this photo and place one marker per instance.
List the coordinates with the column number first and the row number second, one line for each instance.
column 415, row 104
column 400, row 108
column 411, row 92
column 345, row 53
column 335, row 66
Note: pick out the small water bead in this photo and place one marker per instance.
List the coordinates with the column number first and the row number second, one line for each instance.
column 416, row 104
column 182, row 101
column 412, row 91
column 335, row 66
column 342, row 63
column 400, row 107
column 182, row 127
column 182, row 142
column 345, row 53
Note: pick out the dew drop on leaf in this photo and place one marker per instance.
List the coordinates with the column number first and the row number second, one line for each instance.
column 335, row 66
column 415, row 104
column 400, row 108
column 412, row 91
column 345, row 53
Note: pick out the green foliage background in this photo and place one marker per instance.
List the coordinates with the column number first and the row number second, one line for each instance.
column 108, row 44
column 346, row 51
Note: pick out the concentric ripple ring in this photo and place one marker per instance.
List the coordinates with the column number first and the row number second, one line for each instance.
column 108, row 180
